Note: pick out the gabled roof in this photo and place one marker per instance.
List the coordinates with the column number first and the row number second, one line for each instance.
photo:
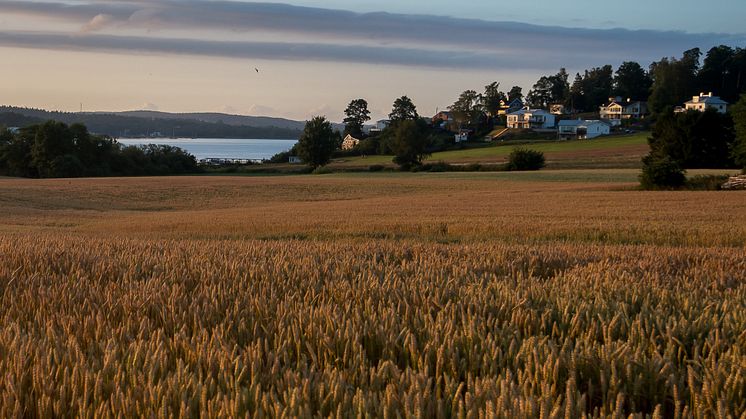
column 531, row 111
column 708, row 100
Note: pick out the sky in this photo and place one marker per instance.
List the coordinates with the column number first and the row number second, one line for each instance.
column 301, row 58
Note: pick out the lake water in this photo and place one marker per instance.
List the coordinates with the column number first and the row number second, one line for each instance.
column 221, row 148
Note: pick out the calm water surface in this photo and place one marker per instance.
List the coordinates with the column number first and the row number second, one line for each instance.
column 234, row 148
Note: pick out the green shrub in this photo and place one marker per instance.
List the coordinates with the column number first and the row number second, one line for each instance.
column 525, row 159
column 661, row 172
column 322, row 170
column 706, row 182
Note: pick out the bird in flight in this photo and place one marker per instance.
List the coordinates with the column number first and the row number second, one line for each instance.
column 257, row 70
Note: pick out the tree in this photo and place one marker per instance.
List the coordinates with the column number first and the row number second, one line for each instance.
column 724, row 72
column 491, row 98
column 403, row 109
column 52, row 139
column 467, row 110
column 694, row 139
column 673, row 81
column 738, row 112
column 550, row 90
column 661, row 172
column 632, row 81
column 317, row 143
column 515, row 93
column 357, row 115
column 409, row 143
column 525, row 159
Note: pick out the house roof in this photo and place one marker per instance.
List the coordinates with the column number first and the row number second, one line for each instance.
column 708, row 100
column 531, row 111
column 625, row 104
column 580, row 122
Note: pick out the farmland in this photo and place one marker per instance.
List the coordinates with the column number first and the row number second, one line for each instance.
column 548, row 294
column 604, row 152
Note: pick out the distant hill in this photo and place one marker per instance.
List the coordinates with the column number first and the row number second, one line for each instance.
column 150, row 123
column 236, row 120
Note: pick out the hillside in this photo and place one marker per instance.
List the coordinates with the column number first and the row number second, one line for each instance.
column 146, row 123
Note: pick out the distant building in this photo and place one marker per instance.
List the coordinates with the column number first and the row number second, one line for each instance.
column 528, row 118
column 462, row 136
column 14, row 130
column 380, row 126
column 579, row 129
column 349, row 142
column 704, row 101
column 510, row 106
column 617, row 110
column 442, row 119
column 295, row 160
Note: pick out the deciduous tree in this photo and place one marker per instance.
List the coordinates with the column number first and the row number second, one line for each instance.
column 357, row 114
column 318, row 142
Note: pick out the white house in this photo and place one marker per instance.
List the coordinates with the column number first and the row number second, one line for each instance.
column 528, row 118
column 295, row 160
column 580, row 129
column 14, row 130
column 380, row 125
column 617, row 109
column 704, row 101
column 349, row 142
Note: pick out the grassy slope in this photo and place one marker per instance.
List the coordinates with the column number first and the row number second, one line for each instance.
column 624, row 150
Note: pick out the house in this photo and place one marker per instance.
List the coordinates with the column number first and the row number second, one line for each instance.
column 442, row 119
column 510, row 106
column 704, row 101
column 617, row 110
column 462, row 136
column 14, row 130
column 295, row 160
column 380, row 126
column 528, row 118
column 349, row 142
column 558, row 109
column 579, row 129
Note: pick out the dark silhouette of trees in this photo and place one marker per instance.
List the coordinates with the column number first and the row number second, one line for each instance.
column 318, row 142
column 738, row 112
column 631, row 81
column 515, row 93
column 674, row 81
column 403, row 109
column 54, row 149
column 409, row 143
column 694, row 139
column 357, row 114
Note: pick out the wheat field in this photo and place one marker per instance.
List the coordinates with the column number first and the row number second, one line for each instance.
column 427, row 295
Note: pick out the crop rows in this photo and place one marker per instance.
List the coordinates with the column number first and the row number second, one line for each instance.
column 158, row 328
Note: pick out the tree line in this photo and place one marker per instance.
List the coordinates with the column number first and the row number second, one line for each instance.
column 55, row 149
column 133, row 126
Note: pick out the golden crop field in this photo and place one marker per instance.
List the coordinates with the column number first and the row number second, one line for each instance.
column 548, row 294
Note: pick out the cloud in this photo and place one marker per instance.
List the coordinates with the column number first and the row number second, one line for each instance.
column 343, row 36
column 261, row 110
column 97, row 23
column 147, row 106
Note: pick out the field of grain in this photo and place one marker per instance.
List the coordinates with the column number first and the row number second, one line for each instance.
column 549, row 294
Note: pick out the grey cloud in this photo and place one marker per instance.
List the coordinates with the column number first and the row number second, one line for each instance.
column 379, row 37
column 270, row 50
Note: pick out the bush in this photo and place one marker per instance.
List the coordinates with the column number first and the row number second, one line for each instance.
column 661, row 172
column 525, row 159
column 322, row 170
column 706, row 183
column 375, row 168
